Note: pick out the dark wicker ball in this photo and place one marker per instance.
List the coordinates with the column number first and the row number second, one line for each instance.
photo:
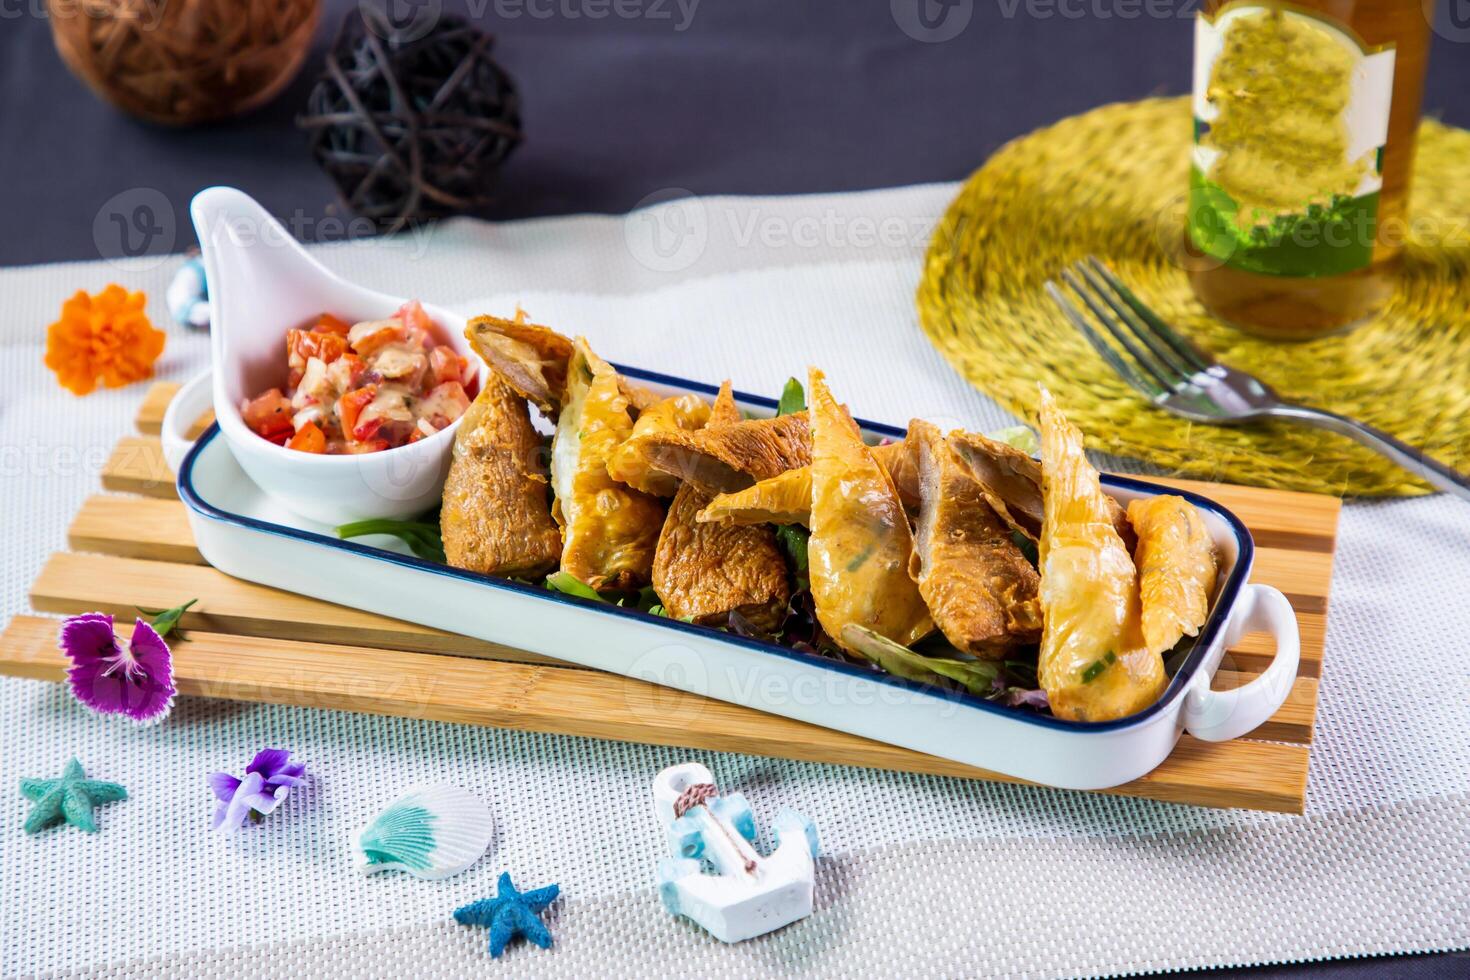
column 412, row 125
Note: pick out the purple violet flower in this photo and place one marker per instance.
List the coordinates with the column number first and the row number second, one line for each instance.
column 268, row 779
column 136, row 680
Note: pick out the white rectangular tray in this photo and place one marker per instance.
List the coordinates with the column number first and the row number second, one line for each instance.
column 241, row 531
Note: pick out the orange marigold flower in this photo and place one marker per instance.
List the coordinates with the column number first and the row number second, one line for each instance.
column 105, row 337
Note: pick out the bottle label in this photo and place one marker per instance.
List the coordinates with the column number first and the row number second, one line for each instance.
column 1290, row 122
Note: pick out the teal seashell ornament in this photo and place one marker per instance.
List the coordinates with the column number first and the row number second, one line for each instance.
column 431, row 832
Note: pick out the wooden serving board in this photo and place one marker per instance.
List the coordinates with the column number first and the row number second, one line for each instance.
column 248, row 642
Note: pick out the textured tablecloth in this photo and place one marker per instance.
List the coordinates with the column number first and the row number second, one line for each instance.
column 920, row 875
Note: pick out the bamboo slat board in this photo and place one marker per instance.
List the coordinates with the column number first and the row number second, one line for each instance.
column 248, row 642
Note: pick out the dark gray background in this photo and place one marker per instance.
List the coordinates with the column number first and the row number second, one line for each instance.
column 747, row 97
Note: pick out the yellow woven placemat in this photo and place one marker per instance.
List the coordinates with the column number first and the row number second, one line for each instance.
column 1113, row 182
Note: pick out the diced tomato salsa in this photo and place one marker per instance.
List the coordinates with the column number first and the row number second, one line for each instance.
column 363, row 387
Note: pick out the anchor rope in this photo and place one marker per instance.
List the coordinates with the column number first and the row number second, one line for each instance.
column 695, row 795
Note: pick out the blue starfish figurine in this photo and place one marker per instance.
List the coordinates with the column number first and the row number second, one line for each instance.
column 510, row 913
column 69, row 799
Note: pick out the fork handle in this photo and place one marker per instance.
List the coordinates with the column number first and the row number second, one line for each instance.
column 1427, row 468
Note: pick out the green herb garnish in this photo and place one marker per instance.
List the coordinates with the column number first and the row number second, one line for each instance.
column 1091, row 671
column 793, row 398
column 976, row 676
column 793, row 539
column 647, row 600
column 1021, row 437
column 568, row 584
column 861, row 558
column 422, row 537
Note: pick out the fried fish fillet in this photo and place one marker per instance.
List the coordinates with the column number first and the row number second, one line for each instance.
column 609, row 530
column 640, row 399
column 1094, row 662
column 704, row 572
column 496, row 516
column 530, row 358
column 628, row 465
column 979, row 588
column 1010, row 480
column 1012, row 484
column 786, row 498
column 533, row 360
column 1176, row 568
column 860, row 543
column 724, row 411
column 719, row 459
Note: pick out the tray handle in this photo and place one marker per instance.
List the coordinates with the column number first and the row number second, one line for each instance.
column 192, row 400
column 1218, row 716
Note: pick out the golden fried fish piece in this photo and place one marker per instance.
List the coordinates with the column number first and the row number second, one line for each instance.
column 1010, row 479
column 705, row 572
column 641, row 399
column 1094, row 662
column 609, row 530
column 979, row 588
column 724, row 411
column 1176, row 568
column 860, row 543
column 628, row 465
column 496, row 516
column 786, row 498
column 901, row 460
column 532, row 359
column 719, row 459
column 1012, row 484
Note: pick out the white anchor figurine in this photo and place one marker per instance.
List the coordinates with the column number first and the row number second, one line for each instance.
column 748, row 895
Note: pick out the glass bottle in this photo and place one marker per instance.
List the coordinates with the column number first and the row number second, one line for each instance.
column 1305, row 121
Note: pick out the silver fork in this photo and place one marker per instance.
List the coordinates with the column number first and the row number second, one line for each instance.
column 1177, row 376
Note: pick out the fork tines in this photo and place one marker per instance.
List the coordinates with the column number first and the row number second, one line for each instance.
column 1165, row 362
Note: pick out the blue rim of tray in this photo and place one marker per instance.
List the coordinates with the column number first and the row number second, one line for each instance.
column 1225, row 599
